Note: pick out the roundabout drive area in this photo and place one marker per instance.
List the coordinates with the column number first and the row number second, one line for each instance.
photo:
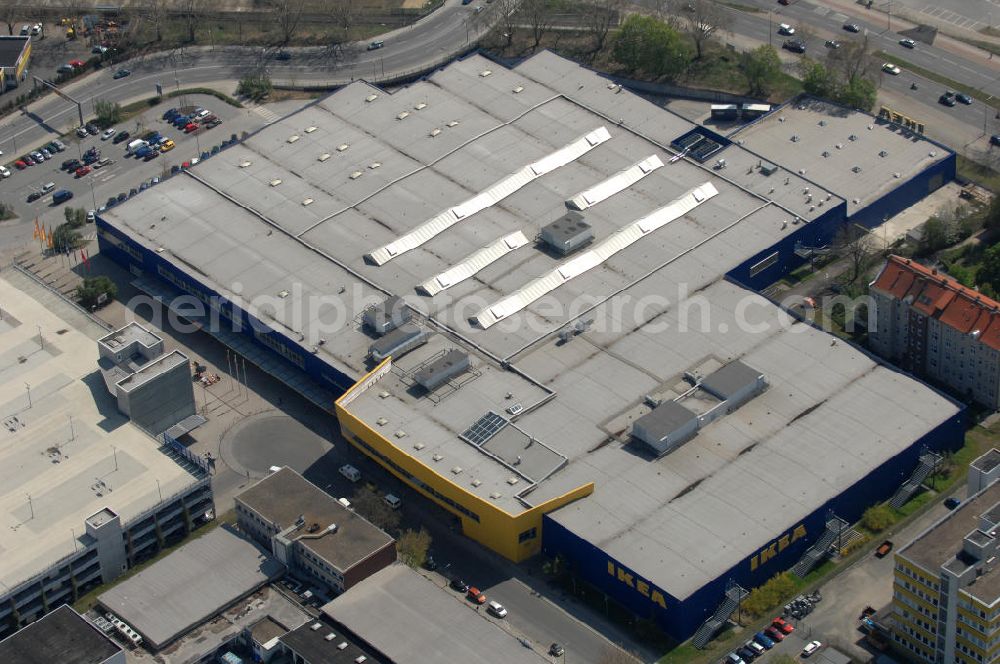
column 252, row 446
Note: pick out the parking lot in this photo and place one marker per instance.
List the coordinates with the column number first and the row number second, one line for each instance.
column 123, row 173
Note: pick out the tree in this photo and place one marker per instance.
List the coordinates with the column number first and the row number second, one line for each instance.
column 599, row 21
column 989, row 269
column 877, row 518
column 816, row 79
column 343, row 15
column 65, row 238
column 193, row 14
column 90, row 291
column 859, row 93
column 287, row 15
column 155, row 12
column 854, row 244
column 935, row 236
column 539, row 17
column 255, row 86
column 368, row 504
column 9, row 12
column 702, row 18
column 616, row 655
column 761, row 67
column 412, row 547
column 108, row 113
column 992, row 219
column 647, row 45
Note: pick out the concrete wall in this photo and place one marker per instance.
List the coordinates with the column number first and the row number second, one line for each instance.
column 162, row 402
column 373, row 563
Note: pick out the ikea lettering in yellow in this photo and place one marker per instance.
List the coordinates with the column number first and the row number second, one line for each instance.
column 777, row 546
column 632, row 581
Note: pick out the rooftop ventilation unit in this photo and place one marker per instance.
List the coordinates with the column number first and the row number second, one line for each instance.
column 330, row 637
column 856, row 169
column 883, row 153
column 567, row 234
column 453, row 123
column 513, row 479
column 437, row 457
column 456, row 470
column 476, row 482
column 825, row 153
column 310, row 130
column 496, row 495
column 795, row 138
column 398, row 342
column 246, row 164
column 370, row 98
column 440, row 371
column 420, row 106
column 485, row 73
column 283, row 294
column 767, row 168
column 315, row 626
column 403, row 115
column 400, row 434
column 386, row 316
column 293, row 138
column 355, row 175
column 852, row 137
column 342, row 147
column 434, row 132
column 342, row 645
column 323, row 157
column 307, row 201
column 275, row 182
column 418, row 446
column 374, row 165
column 518, row 89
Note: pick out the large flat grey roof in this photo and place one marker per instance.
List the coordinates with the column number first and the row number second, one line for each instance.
column 284, row 495
column 190, row 585
column 658, row 308
column 830, row 142
column 408, row 618
column 62, row 636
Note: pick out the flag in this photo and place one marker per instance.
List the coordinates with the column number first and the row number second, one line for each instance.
column 51, row 242
column 37, row 233
column 86, row 259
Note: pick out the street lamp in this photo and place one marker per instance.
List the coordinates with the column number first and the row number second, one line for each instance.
column 28, row 389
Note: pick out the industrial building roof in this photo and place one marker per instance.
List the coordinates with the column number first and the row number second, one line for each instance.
column 939, row 296
column 319, row 642
column 284, row 496
column 306, row 227
column 193, row 583
column 63, row 636
column 408, row 618
column 129, row 334
column 11, row 48
column 65, row 451
column 852, row 154
column 940, row 544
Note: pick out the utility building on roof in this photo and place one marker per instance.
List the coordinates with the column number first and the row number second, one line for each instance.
column 526, row 413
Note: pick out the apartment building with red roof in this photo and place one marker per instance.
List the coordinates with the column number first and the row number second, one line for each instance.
column 937, row 328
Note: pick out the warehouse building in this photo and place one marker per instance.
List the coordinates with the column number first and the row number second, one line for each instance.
column 310, row 532
column 85, row 495
column 607, row 389
column 946, row 586
column 62, row 636
column 15, row 54
column 937, row 328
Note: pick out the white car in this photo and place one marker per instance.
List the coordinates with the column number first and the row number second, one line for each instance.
column 811, row 647
column 890, row 68
column 202, row 114
column 496, row 608
column 4, row 172
column 108, row 133
column 785, row 29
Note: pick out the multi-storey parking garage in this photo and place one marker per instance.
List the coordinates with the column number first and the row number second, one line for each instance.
column 528, row 292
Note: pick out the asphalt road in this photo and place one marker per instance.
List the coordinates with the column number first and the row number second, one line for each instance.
column 433, row 39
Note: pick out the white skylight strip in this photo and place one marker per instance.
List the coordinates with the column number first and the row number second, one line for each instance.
column 491, row 196
column 600, row 253
column 474, row 263
column 616, row 183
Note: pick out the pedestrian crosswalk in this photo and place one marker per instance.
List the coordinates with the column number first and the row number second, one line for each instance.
column 269, row 116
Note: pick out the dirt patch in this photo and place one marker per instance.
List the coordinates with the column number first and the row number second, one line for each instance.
column 412, row 4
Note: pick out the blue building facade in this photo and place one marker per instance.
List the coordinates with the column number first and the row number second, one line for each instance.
column 680, row 618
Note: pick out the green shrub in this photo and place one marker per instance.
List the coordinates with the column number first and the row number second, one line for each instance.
column 877, row 518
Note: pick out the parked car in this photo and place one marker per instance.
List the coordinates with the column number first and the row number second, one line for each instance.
column 883, row 549
column 122, row 198
column 98, row 49
column 91, row 216
column 77, row 64
column 496, row 609
column 4, row 172
column 34, row 196
column 211, row 124
column 392, row 501
column 350, row 472
column 202, row 114
column 907, row 43
column 61, row 196
column 429, row 563
column 947, row 98
column 746, row 654
column 121, row 73
column 774, row 633
column 89, row 159
column 733, row 658
column 556, row 650
column 81, row 132
column 71, row 165
column 20, row 165
column 108, row 133
column 167, row 145
column 890, row 68
column 37, row 156
column 92, row 129
column 151, row 155
column 811, row 647
column 65, row 69
column 101, row 163
column 120, row 136
column 963, row 98
column 141, row 151
column 852, row 27
column 785, row 627
column 283, row 56
column 190, row 127
column 375, row 45
column 60, row 146
column 757, row 649
column 83, row 170
column 832, row 43
column 476, row 595
column 459, row 585
column 952, row 503
column 794, row 45
column 46, row 154
column 785, row 29
column 995, row 139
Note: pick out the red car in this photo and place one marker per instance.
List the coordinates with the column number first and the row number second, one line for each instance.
column 774, row 634
column 189, row 127
column 20, row 165
column 76, row 63
column 476, row 595
column 83, row 170
column 781, row 624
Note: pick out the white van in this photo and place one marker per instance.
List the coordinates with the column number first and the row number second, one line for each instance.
column 344, row 502
column 350, row 472
column 134, row 145
column 392, row 501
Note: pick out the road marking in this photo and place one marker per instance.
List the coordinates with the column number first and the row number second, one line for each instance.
column 839, row 18
column 269, row 116
column 822, row 11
